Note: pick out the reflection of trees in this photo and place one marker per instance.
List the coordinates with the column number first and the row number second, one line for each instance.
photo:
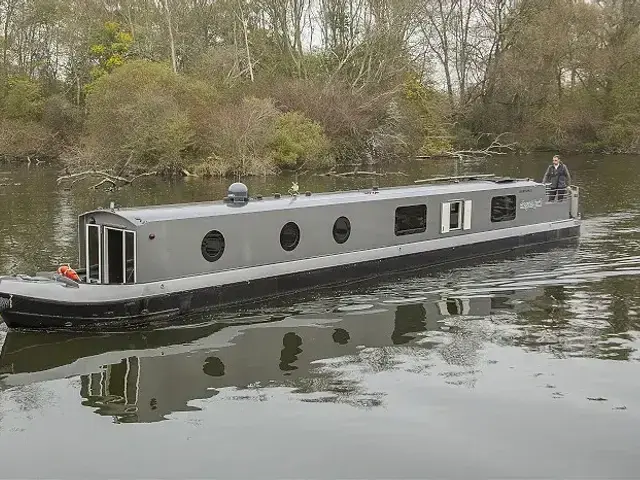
column 340, row 336
column 589, row 322
column 213, row 367
column 289, row 354
column 623, row 296
column 28, row 214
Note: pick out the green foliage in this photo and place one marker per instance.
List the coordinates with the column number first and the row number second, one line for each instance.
column 620, row 135
column 137, row 115
column 427, row 110
column 299, row 141
column 249, row 99
column 110, row 50
column 62, row 118
column 146, row 116
column 23, row 100
column 24, row 128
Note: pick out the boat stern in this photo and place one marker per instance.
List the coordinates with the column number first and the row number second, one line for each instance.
column 6, row 302
column 574, row 199
column 25, row 297
column 58, row 302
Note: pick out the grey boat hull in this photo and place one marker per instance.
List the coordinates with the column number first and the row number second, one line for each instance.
column 51, row 305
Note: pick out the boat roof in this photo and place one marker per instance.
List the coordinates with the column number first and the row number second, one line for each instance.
column 181, row 211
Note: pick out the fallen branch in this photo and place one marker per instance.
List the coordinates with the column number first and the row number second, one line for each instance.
column 90, row 172
column 456, row 178
column 107, row 177
column 187, row 173
column 356, row 173
column 146, row 174
column 102, row 182
column 495, row 148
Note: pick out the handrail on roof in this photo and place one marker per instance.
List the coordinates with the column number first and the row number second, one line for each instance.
column 460, row 177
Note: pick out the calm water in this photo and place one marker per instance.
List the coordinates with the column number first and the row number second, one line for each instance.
column 523, row 367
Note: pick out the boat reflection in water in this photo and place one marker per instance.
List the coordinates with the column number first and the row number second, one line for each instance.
column 145, row 376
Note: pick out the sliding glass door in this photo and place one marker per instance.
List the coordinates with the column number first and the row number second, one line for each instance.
column 111, row 255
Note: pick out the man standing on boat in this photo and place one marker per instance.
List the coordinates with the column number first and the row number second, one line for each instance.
column 557, row 175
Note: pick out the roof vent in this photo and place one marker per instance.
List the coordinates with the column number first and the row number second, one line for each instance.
column 238, row 193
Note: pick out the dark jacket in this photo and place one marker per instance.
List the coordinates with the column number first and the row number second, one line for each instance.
column 557, row 177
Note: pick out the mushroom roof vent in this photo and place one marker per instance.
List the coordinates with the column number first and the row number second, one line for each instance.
column 238, row 193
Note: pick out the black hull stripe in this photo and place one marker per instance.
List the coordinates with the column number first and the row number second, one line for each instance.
column 30, row 313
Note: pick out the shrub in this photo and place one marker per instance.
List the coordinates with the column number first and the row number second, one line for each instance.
column 347, row 116
column 24, row 99
column 141, row 115
column 299, row 141
column 236, row 138
column 20, row 139
column 424, row 113
column 622, row 135
column 62, row 118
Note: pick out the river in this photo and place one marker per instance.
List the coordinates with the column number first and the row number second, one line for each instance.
column 518, row 367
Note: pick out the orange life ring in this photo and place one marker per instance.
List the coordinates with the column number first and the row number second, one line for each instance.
column 68, row 272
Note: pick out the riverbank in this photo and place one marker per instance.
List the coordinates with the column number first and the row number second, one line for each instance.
column 143, row 118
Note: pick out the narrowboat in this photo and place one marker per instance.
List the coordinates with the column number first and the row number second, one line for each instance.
column 139, row 265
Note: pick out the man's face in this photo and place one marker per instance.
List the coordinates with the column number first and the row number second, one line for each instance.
column 556, row 161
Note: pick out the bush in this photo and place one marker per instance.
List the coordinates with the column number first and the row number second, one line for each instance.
column 24, row 99
column 424, row 113
column 141, row 114
column 62, row 118
column 622, row 135
column 235, row 138
column 347, row 116
column 20, row 139
column 299, row 141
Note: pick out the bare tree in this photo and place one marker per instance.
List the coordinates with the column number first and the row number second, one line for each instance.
column 171, row 39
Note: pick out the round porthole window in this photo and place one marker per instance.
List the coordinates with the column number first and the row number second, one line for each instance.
column 341, row 230
column 289, row 236
column 212, row 246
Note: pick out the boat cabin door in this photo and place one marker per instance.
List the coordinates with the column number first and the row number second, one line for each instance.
column 110, row 255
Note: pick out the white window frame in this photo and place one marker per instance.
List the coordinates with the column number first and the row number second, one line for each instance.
column 87, row 258
column 464, row 216
column 466, row 213
column 127, row 399
column 124, row 254
column 135, row 254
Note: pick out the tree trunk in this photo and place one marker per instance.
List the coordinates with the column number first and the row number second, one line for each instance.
column 174, row 63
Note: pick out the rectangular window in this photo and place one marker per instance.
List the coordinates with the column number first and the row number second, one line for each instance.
column 119, row 256
column 411, row 219
column 93, row 254
column 114, row 254
column 129, row 256
column 503, row 208
column 455, row 214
